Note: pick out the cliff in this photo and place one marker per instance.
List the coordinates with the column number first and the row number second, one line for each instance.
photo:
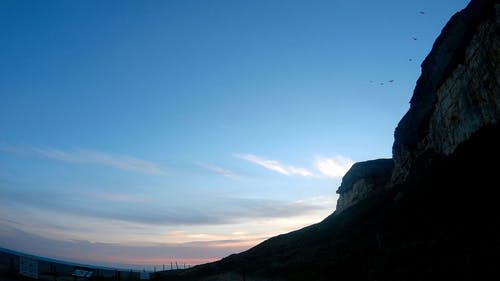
column 431, row 212
column 363, row 180
column 458, row 91
column 456, row 95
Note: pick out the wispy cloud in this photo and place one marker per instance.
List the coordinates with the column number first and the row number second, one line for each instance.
column 262, row 208
column 4, row 147
column 85, row 156
column 122, row 162
column 119, row 197
column 334, row 167
column 276, row 166
column 218, row 170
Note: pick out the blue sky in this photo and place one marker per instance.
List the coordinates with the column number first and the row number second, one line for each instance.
column 189, row 130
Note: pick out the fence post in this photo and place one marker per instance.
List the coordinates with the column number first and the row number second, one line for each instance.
column 11, row 265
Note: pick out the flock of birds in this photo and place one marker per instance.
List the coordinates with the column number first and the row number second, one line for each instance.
column 414, row 39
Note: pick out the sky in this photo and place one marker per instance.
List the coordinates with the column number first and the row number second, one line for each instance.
column 140, row 133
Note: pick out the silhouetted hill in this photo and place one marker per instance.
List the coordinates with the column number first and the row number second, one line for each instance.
column 431, row 212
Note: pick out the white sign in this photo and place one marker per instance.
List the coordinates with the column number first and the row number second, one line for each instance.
column 28, row 267
column 144, row 275
column 82, row 273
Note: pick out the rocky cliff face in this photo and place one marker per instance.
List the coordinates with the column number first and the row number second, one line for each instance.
column 363, row 180
column 457, row 94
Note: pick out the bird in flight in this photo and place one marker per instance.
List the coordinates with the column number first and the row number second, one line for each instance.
column 414, row 38
column 422, row 12
column 392, row 80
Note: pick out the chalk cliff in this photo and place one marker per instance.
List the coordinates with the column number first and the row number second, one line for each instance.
column 363, row 180
column 457, row 94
